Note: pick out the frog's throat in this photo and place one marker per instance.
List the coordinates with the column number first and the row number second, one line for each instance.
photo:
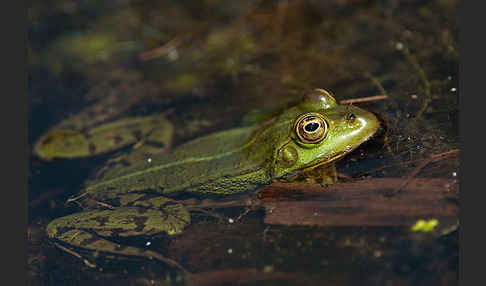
column 330, row 159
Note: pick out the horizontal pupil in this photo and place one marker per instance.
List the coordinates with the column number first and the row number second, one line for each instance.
column 311, row 127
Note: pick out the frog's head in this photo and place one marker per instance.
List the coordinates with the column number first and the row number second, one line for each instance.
column 321, row 132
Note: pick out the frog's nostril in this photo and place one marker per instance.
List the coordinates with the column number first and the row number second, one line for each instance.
column 350, row 117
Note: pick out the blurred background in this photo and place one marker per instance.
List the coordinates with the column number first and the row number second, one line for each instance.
column 211, row 64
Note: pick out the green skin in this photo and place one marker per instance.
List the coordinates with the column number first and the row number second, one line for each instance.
column 130, row 201
column 69, row 141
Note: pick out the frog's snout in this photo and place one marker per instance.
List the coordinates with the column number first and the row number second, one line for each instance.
column 383, row 129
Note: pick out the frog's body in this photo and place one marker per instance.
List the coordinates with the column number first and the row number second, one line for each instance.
column 130, row 200
column 201, row 165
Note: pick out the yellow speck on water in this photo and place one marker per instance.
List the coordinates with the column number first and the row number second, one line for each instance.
column 268, row 269
column 425, row 226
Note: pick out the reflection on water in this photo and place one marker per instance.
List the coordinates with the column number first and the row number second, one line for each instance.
column 212, row 65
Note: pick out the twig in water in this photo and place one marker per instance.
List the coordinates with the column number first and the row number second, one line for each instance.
column 433, row 158
column 160, row 51
column 75, row 254
column 363, row 99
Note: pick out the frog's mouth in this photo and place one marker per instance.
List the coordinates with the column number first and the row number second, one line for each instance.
column 334, row 157
column 329, row 159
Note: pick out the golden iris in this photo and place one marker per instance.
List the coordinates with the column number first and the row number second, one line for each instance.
column 311, row 128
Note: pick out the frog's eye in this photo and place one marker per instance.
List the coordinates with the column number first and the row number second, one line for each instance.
column 311, row 128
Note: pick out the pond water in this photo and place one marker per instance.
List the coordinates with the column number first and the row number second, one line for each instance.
column 213, row 65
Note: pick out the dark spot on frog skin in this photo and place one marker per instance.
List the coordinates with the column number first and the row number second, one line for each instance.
column 155, row 144
column 91, row 113
column 85, row 132
column 125, row 163
column 69, row 126
column 160, row 188
column 117, row 139
column 140, row 222
column 147, row 155
column 101, row 220
column 88, row 241
column 165, row 215
column 137, row 134
column 143, row 210
column 92, row 148
column 47, row 140
column 57, row 135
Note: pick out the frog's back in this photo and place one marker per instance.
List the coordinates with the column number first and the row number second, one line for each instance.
column 216, row 163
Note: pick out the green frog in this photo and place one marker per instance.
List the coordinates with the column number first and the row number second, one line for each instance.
column 69, row 141
column 135, row 200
